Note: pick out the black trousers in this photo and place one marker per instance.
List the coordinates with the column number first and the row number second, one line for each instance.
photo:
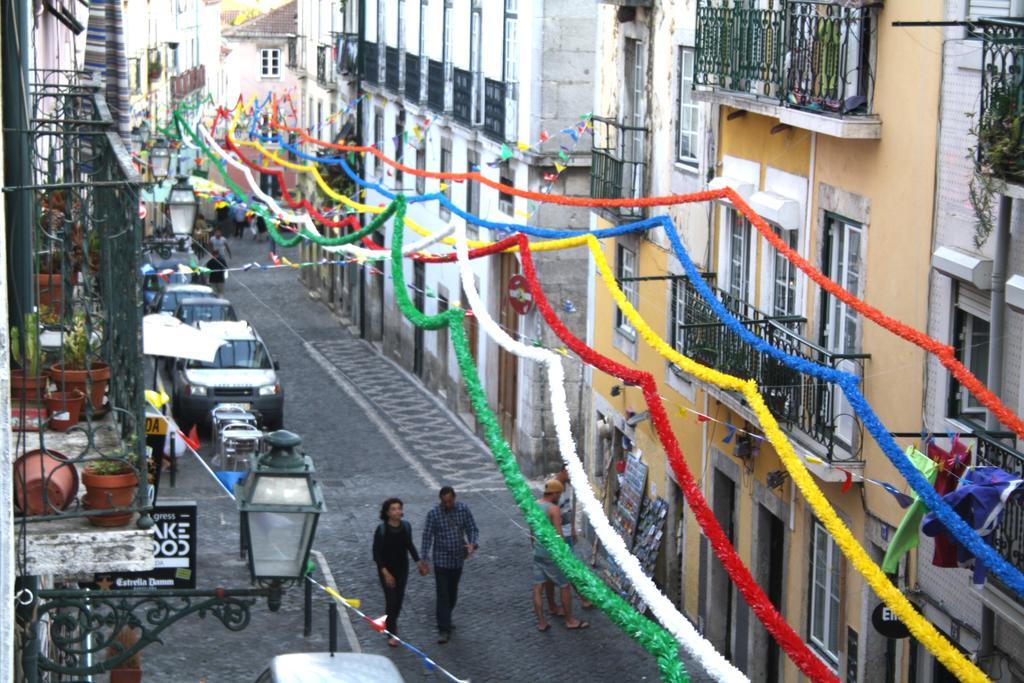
column 446, row 582
column 393, row 597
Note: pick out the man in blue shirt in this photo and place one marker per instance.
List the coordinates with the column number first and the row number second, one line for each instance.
column 450, row 531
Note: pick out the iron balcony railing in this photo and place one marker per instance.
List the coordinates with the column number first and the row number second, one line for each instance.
column 1000, row 127
column 322, row 65
column 349, row 57
column 797, row 400
column 393, row 69
column 435, row 85
column 494, row 109
column 617, row 165
column 462, row 96
column 86, row 244
column 371, row 62
column 413, row 77
column 810, row 55
column 1008, row 536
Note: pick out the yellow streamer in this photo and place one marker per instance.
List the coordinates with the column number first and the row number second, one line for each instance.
column 927, row 634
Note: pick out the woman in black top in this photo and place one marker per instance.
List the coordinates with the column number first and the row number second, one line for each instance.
column 392, row 545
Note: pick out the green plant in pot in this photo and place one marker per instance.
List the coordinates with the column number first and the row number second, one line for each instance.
column 110, row 482
column 130, row 669
column 27, row 382
column 76, row 371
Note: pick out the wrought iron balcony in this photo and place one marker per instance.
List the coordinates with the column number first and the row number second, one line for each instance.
column 371, row 62
column 86, row 242
column 1008, row 537
column 413, row 77
column 1000, row 128
column 462, row 96
column 435, row 85
column 494, row 109
column 323, row 65
column 801, row 54
column 617, row 166
column 349, row 59
column 797, row 400
column 393, row 69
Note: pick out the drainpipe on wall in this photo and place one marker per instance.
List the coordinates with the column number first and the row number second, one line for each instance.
column 997, row 328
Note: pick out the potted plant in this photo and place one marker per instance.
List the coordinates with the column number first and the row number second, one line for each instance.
column 110, row 482
column 129, row 670
column 64, row 407
column 44, row 482
column 76, row 372
column 27, row 382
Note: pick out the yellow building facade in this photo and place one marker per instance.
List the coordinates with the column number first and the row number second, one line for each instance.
column 831, row 137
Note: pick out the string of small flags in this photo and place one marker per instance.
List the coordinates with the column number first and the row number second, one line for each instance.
column 378, row 625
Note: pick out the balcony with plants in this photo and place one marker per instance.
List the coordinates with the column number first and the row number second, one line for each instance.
column 999, row 129
column 807, row 407
column 811, row 64
column 76, row 353
column 618, row 166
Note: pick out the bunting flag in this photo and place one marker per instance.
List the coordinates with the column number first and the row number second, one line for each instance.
column 730, row 432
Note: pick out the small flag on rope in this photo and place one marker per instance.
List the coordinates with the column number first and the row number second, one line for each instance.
column 559, row 167
column 544, row 136
column 506, row 152
column 378, row 623
column 849, row 479
column 702, row 418
column 522, row 146
column 903, row 499
column 731, row 433
column 192, row 440
column 681, row 412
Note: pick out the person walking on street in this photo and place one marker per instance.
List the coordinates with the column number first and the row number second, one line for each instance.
column 220, row 243
column 544, row 567
column 218, row 273
column 567, row 516
column 392, row 546
column 238, row 215
column 450, row 531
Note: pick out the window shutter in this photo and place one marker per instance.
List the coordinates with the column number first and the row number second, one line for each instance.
column 972, row 300
column 988, row 8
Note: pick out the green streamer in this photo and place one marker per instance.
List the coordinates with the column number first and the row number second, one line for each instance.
column 271, row 220
column 651, row 636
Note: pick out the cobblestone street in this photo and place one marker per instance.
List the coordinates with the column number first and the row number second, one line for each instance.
column 373, row 433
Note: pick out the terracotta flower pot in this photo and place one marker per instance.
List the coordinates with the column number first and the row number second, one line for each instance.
column 125, row 675
column 51, row 289
column 26, row 387
column 44, row 482
column 64, row 407
column 108, row 491
column 70, row 380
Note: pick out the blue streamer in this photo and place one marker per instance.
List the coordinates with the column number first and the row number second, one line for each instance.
column 848, row 383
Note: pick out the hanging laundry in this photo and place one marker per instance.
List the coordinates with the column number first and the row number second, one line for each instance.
column 979, row 500
column 906, row 537
column 951, row 464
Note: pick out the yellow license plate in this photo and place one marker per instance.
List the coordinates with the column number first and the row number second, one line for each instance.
column 156, row 426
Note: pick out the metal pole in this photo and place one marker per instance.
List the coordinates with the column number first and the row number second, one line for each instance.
column 997, row 328
column 307, row 610
column 332, row 627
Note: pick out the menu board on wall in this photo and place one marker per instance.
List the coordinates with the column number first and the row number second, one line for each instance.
column 631, row 495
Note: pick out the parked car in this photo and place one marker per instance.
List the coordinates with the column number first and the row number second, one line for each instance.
column 192, row 311
column 153, row 283
column 166, row 301
column 326, row 667
column 243, row 374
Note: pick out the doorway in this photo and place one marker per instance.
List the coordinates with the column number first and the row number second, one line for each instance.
column 719, row 626
column 419, row 289
column 770, row 553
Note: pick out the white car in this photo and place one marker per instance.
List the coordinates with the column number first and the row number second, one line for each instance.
column 324, row 667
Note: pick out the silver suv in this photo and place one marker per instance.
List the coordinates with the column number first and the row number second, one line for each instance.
column 243, row 374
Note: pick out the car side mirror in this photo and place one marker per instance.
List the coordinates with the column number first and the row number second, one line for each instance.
column 277, row 366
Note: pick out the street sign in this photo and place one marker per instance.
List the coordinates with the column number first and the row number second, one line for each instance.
column 519, row 296
column 887, row 623
column 174, row 551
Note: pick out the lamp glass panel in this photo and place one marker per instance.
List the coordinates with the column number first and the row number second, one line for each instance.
column 278, row 490
column 182, row 207
column 160, row 160
column 278, row 542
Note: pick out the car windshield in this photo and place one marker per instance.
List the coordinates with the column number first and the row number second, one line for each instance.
column 194, row 313
column 237, row 354
column 171, row 299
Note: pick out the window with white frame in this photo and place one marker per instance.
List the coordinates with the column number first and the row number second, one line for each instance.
column 446, row 167
column 737, row 276
column 625, row 274
column 842, row 263
column 970, row 340
column 421, row 165
column 446, row 24
column 678, row 316
column 270, row 62
column 989, row 8
column 506, row 202
column 826, row 565
column 784, row 275
column 511, row 43
column 472, row 191
column 688, row 113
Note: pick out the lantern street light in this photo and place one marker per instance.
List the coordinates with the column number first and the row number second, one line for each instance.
column 160, row 160
column 181, row 203
column 144, row 133
column 280, row 503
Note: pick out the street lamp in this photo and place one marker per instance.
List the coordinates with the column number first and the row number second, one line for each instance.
column 181, row 203
column 279, row 503
column 144, row 133
column 160, row 160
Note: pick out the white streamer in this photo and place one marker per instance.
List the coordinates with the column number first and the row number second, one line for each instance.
column 290, row 217
column 700, row 649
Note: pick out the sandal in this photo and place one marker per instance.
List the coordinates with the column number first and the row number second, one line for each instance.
column 547, row 627
column 579, row 625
